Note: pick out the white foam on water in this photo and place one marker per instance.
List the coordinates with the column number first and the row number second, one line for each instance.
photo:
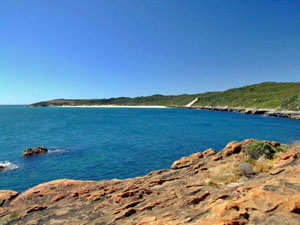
column 56, row 150
column 8, row 165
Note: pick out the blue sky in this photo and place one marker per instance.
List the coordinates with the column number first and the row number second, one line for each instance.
column 99, row 49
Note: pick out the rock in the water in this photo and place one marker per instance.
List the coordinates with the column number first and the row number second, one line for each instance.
column 35, row 151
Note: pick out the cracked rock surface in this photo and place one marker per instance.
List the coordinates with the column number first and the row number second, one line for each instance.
column 203, row 188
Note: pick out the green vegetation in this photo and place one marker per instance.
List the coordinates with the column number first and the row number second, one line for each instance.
column 263, row 96
column 269, row 95
column 260, row 157
column 258, row 149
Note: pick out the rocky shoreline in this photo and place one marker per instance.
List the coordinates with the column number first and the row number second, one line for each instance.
column 264, row 112
column 215, row 188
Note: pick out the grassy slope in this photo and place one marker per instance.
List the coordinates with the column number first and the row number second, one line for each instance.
column 265, row 95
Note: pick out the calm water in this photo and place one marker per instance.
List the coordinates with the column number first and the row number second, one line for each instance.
column 106, row 143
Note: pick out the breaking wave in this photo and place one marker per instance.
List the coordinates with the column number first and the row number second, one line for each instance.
column 56, row 150
column 8, row 165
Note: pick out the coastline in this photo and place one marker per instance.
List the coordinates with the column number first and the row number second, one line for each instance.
column 253, row 111
column 264, row 112
column 110, row 106
column 214, row 193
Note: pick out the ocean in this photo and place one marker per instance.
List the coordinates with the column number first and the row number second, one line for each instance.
column 107, row 143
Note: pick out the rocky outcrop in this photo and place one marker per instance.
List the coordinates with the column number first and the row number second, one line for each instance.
column 203, row 188
column 35, row 151
column 6, row 196
column 265, row 112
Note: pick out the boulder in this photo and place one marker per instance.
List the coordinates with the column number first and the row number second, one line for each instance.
column 232, row 148
column 35, row 151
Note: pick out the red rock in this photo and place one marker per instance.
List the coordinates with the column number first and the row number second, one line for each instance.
column 217, row 157
column 288, row 155
column 47, row 189
column 196, row 156
column 161, row 181
column 57, row 198
column 127, row 213
column 82, row 191
column 233, row 148
column 7, row 195
column 3, row 211
column 296, row 208
column 35, row 209
column 236, row 148
column 268, row 142
column 129, row 205
column 181, row 163
column 147, row 220
column 140, row 192
column 128, row 194
column 261, row 199
column 275, row 144
column 151, row 206
column 248, row 141
column 223, row 196
column 276, row 171
column 198, row 165
column 235, row 222
column 94, row 196
column 244, row 189
column 232, row 206
column 187, row 161
column 272, row 208
column 209, row 152
column 197, row 200
column 229, row 145
column 158, row 181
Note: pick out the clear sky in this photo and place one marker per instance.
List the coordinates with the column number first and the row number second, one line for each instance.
column 102, row 48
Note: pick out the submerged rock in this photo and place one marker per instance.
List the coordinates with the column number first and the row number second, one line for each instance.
column 35, row 151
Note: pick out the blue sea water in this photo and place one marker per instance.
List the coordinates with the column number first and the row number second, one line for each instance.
column 106, row 143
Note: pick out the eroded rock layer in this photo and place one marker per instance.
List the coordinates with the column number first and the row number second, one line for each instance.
column 204, row 188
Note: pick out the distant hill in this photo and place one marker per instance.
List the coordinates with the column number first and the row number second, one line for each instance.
column 268, row 95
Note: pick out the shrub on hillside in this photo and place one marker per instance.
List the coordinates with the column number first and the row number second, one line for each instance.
column 258, row 149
